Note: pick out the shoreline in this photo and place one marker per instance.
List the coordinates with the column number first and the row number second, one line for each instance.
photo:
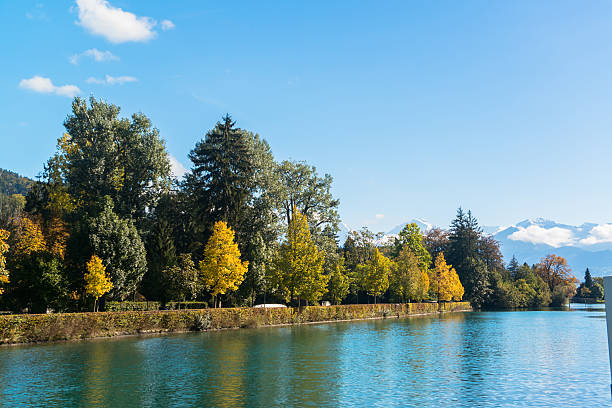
column 53, row 328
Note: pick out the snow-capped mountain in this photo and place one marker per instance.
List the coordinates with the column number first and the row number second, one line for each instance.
column 587, row 245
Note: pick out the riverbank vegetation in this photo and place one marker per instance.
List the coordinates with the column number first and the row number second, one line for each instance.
column 108, row 221
column 73, row 326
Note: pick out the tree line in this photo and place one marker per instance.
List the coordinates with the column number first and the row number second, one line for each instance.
column 107, row 221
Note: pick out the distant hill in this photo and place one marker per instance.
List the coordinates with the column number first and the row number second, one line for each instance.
column 13, row 183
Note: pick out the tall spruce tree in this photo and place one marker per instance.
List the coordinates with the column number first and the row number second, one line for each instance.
column 588, row 279
column 513, row 267
column 465, row 256
column 220, row 179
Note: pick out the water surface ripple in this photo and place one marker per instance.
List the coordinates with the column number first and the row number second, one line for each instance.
column 487, row 359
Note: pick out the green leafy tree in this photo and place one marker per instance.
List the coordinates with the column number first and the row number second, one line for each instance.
column 409, row 280
column 118, row 244
column 181, row 280
column 298, row 267
column 597, row 291
column 339, row 282
column 105, row 155
column 161, row 254
column 411, row 237
column 374, row 274
column 310, row 194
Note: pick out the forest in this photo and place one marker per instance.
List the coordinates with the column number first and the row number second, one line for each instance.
column 107, row 221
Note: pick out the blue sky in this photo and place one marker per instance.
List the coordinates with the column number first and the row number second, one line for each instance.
column 415, row 107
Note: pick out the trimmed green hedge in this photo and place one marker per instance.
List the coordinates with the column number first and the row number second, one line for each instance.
column 70, row 326
column 185, row 305
column 131, row 306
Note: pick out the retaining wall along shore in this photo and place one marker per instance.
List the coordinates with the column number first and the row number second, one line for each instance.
column 71, row 326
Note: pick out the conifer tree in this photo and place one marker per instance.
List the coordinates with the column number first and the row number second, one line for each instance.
column 588, row 279
column 221, row 270
column 222, row 167
column 513, row 267
column 298, row 268
column 97, row 281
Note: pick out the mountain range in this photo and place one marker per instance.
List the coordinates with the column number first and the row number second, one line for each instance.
column 587, row 245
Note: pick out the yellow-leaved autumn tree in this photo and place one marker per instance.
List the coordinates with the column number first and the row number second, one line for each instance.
column 444, row 281
column 29, row 237
column 4, row 247
column 221, row 270
column 298, row 267
column 374, row 274
column 97, row 281
column 409, row 280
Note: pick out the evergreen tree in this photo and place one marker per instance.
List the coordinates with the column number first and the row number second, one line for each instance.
column 465, row 255
column 588, row 279
column 222, row 167
column 513, row 267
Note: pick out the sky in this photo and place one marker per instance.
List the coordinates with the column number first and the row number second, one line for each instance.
column 414, row 107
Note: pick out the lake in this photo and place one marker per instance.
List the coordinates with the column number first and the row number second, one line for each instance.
column 487, row 359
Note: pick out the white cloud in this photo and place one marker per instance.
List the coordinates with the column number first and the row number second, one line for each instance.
column 176, row 167
column 380, row 216
column 535, row 234
column 110, row 80
column 114, row 24
column 37, row 13
column 599, row 234
column 45, row 85
column 167, row 25
column 95, row 54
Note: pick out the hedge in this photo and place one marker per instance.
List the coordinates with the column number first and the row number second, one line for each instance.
column 71, row 326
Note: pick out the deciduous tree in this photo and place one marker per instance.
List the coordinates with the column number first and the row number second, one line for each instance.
column 97, row 281
column 374, row 274
column 298, row 268
column 221, row 270
column 4, row 247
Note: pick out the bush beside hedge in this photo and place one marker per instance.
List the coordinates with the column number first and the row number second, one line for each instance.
column 56, row 327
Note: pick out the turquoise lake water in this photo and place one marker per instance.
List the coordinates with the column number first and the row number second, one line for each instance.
column 486, row 359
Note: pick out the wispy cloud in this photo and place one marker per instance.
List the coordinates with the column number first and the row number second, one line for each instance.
column 45, row 85
column 380, row 216
column 113, row 23
column 535, row 234
column 110, row 80
column 167, row 25
column 37, row 13
column 598, row 235
column 176, row 167
column 94, row 54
